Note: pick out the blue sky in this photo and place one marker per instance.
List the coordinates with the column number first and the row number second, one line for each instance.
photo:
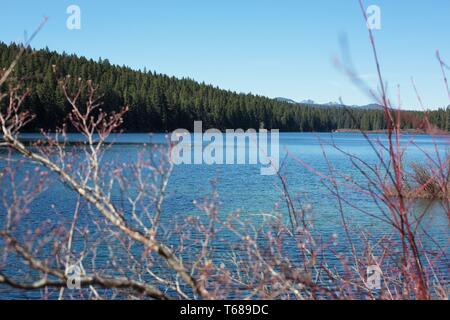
column 268, row 47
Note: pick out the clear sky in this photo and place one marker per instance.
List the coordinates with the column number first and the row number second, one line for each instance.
column 269, row 47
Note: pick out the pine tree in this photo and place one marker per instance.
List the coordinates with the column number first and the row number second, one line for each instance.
column 161, row 103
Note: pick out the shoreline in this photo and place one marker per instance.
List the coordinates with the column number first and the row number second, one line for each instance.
column 406, row 131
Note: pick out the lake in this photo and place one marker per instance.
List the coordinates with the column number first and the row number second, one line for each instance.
column 243, row 188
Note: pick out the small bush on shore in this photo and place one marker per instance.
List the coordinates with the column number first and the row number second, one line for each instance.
column 422, row 182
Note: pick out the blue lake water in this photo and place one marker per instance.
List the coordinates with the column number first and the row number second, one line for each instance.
column 243, row 188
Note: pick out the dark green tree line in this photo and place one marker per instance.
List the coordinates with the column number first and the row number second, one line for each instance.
column 158, row 102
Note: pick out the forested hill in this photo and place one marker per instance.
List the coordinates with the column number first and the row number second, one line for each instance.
column 161, row 103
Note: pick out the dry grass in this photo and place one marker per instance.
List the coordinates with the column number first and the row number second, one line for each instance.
column 422, row 181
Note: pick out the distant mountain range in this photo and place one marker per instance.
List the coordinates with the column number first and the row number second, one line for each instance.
column 371, row 106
